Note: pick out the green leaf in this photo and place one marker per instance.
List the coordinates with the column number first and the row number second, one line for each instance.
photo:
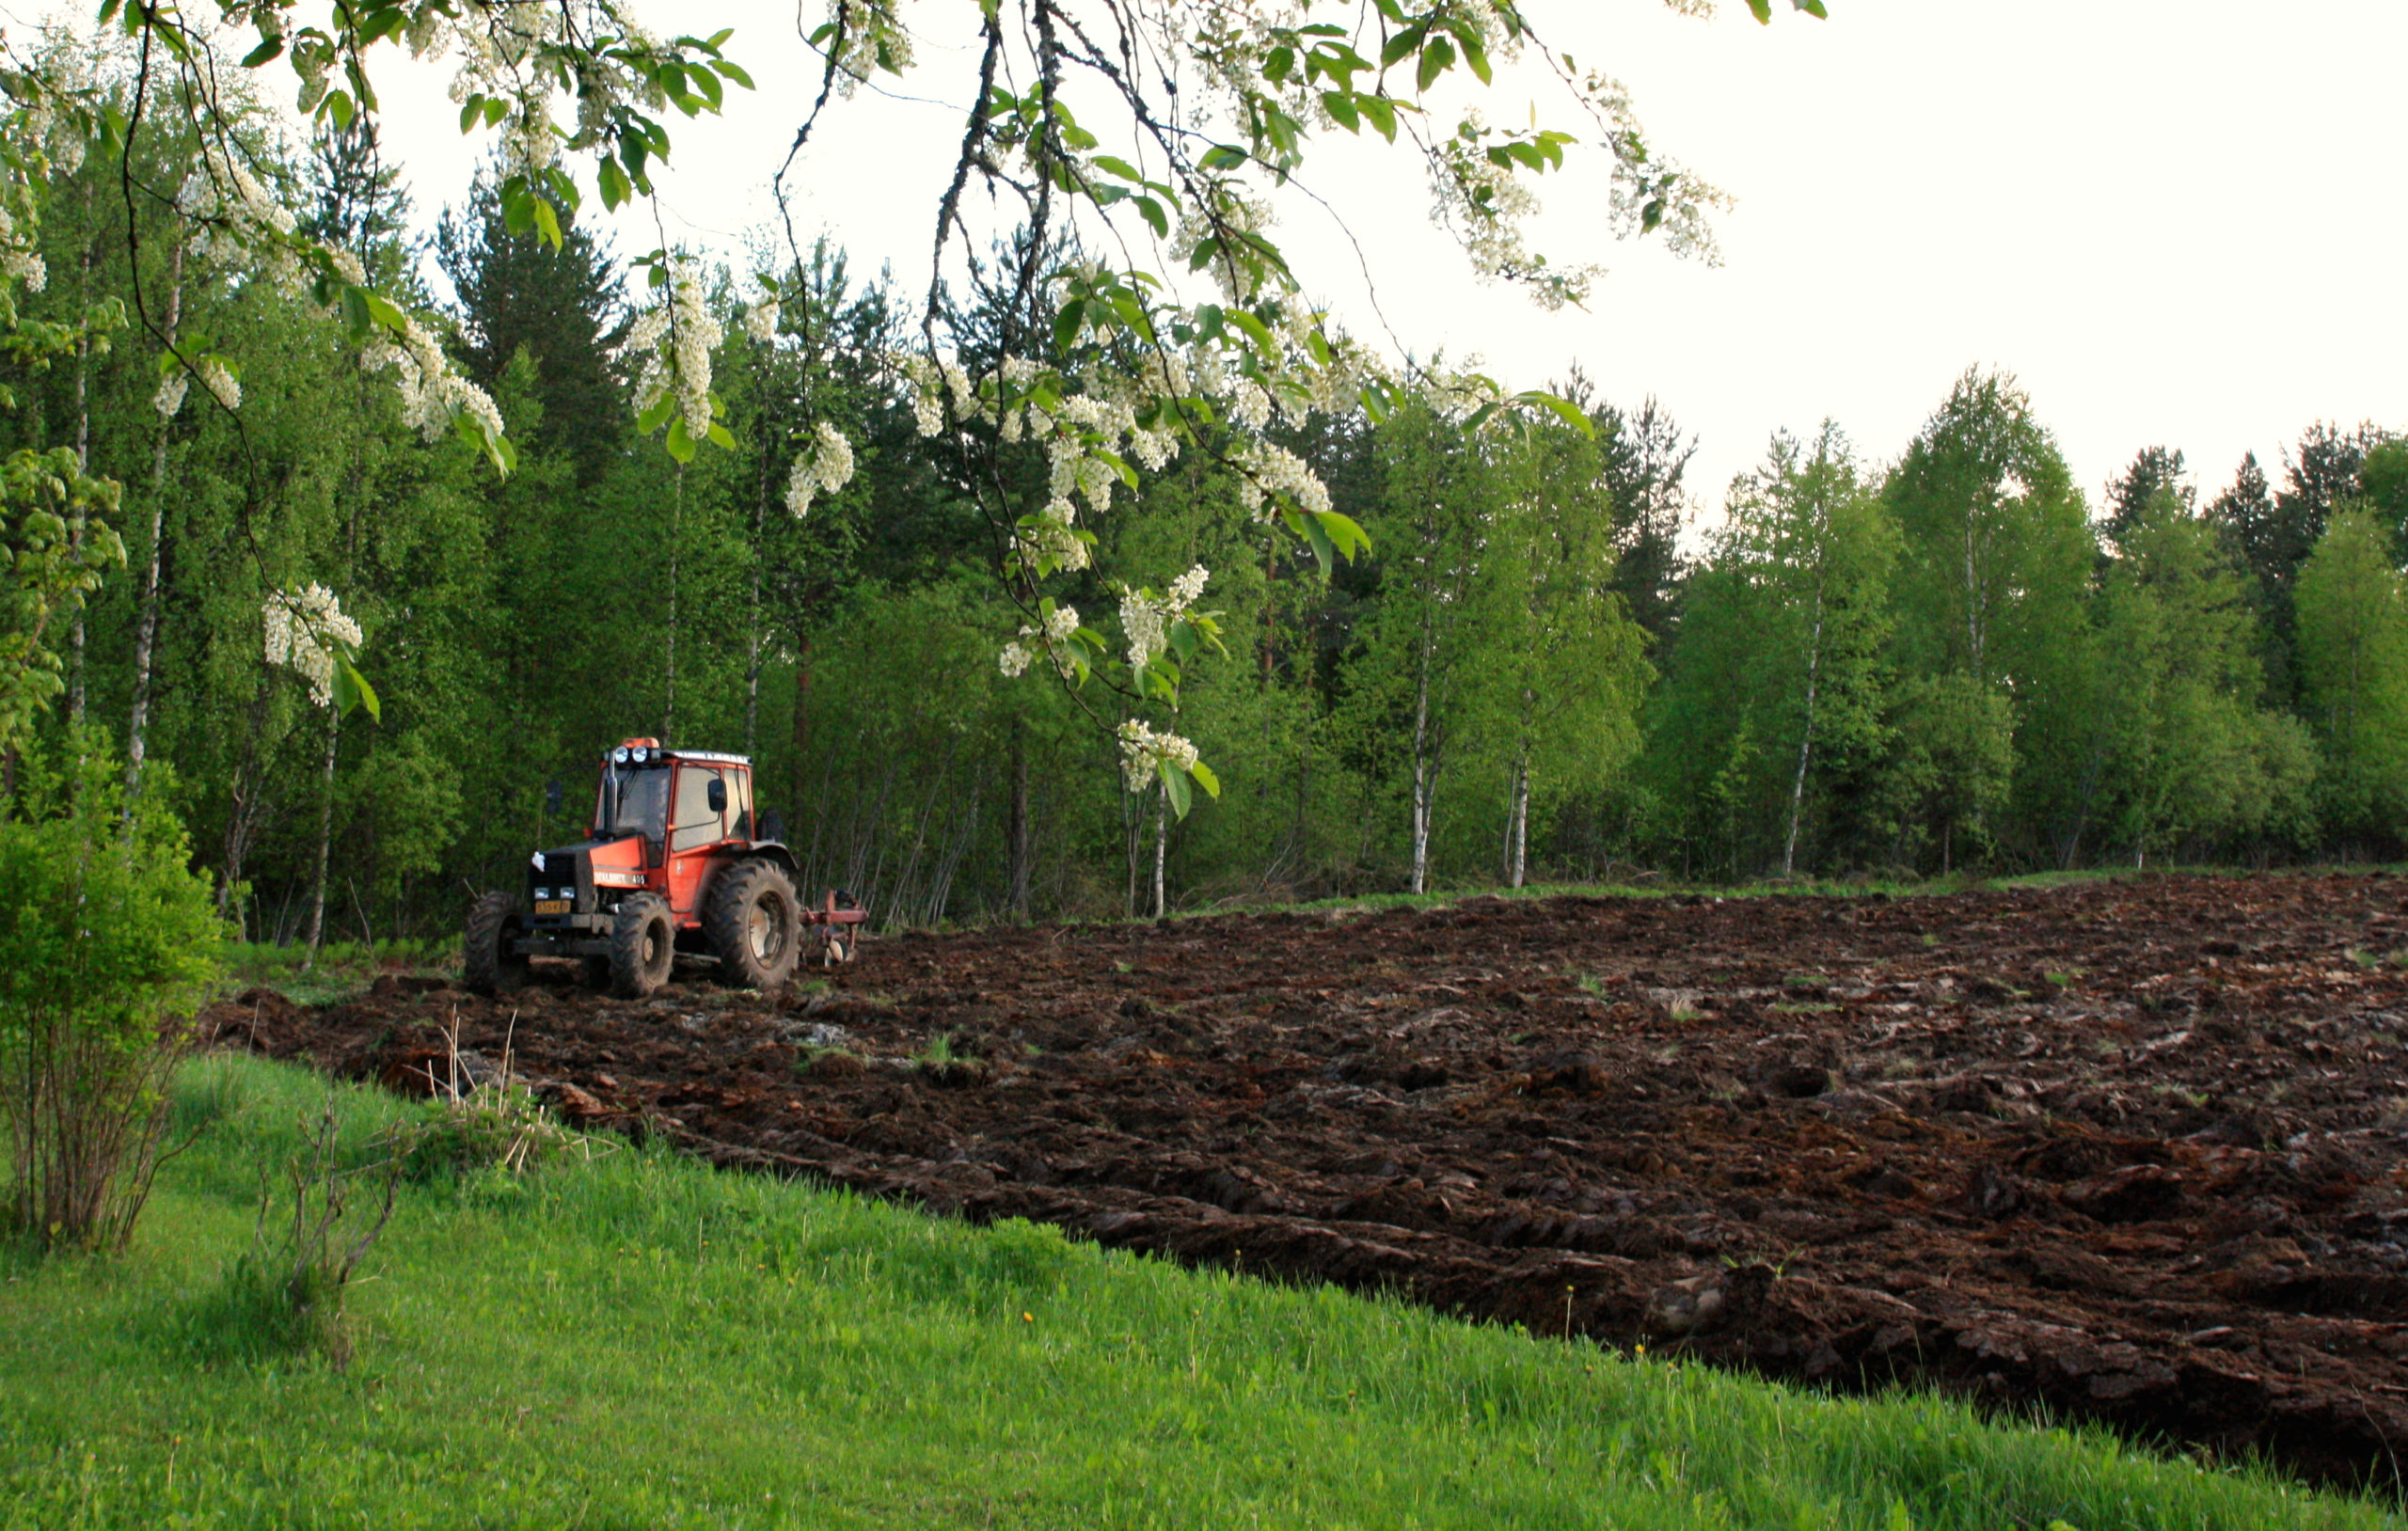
column 1068, row 322
column 469, row 111
column 1205, row 779
column 269, row 46
column 1399, row 47
column 1435, row 60
column 548, row 223
column 1223, row 157
column 355, row 311
column 1382, row 112
column 1762, row 10
column 351, row 690
column 1109, row 164
column 614, row 183
column 719, row 438
column 385, row 311
column 681, row 446
column 1474, row 55
column 733, row 73
column 1155, row 217
column 1174, row 787
column 1563, row 408
column 1256, row 330
column 1340, row 106
column 338, row 106
column 1342, row 533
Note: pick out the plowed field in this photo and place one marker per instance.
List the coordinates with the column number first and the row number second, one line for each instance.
column 2131, row 1149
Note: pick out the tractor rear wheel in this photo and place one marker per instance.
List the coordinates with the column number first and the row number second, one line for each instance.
column 490, row 961
column 754, row 924
column 643, row 946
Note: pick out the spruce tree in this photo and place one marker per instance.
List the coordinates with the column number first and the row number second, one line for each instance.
column 563, row 307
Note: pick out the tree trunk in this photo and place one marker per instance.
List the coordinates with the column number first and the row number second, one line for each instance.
column 146, row 634
column 1805, row 738
column 1421, row 780
column 676, row 520
column 326, row 838
column 1519, row 819
column 1162, row 848
column 83, row 451
column 1018, row 843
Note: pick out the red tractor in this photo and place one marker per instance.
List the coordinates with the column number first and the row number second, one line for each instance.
column 676, row 862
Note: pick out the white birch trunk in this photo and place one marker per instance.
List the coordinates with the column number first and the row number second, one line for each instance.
column 1806, row 738
column 1422, row 774
column 1162, row 848
column 146, row 635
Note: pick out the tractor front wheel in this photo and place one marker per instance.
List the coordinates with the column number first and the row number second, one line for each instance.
column 755, row 926
column 489, row 960
column 643, row 946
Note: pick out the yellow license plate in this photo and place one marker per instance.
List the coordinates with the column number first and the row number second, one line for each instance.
column 552, row 906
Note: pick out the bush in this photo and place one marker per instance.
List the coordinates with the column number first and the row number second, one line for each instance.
column 107, row 940
column 285, row 1294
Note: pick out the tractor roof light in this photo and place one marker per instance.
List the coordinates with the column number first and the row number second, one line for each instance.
column 619, row 755
column 641, row 754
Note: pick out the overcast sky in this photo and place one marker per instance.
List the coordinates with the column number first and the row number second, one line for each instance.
column 2175, row 224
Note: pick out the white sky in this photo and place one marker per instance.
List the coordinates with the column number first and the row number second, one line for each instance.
column 2177, row 223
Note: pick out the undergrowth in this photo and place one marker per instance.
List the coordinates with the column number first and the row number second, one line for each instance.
column 640, row 1341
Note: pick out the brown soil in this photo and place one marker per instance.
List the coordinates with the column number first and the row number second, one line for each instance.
column 2131, row 1150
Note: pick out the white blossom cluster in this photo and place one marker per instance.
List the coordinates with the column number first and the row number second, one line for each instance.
column 1485, row 205
column 823, row 470
column 220, row 383
column 19, row 261
column 874, row 37
column 232, row 215
column 1146, row 617
column 305, row 631
column 1053, row 636
column 761, row 319
column 432, row 394
column 1143, row 751
column 676, row 338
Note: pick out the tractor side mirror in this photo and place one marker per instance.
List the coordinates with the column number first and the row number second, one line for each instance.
column 552, row 796
column 716, row 795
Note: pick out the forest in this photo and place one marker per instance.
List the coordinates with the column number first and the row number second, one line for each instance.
column 1560, row 659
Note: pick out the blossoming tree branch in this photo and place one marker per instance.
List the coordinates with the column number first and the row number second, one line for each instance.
column 1132, row 157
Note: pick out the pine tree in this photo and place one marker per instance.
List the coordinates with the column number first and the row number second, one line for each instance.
column 563, row 307
column 2129, row 496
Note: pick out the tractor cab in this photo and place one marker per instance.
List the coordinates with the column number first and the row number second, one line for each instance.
column 674, row 861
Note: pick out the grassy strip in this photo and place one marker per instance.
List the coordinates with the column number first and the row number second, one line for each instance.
column 644, row 1342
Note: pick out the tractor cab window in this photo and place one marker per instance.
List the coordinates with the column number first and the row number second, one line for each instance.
column 697, row 822
column 634, row 802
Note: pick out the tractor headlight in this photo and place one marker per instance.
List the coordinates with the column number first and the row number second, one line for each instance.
column 541, row 893
column 619, row 755
column 641, row 754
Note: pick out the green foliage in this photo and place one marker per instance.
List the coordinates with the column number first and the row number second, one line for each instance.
column 57, row 547
column 109, row 942
column 285, row 1294
column 2354, row 666
column 653, row 1343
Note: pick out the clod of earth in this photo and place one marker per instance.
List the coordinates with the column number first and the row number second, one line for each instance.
column 2170, row 1196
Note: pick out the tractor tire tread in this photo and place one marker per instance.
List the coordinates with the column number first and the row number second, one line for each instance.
column 631, row 977
column 725, row 919
column 487, row 965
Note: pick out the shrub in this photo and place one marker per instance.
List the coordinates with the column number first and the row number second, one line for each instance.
column 285, row 1293
column 106, row 942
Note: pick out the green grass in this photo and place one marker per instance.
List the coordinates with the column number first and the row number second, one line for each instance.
column 343, row 970
column 642, row 1342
